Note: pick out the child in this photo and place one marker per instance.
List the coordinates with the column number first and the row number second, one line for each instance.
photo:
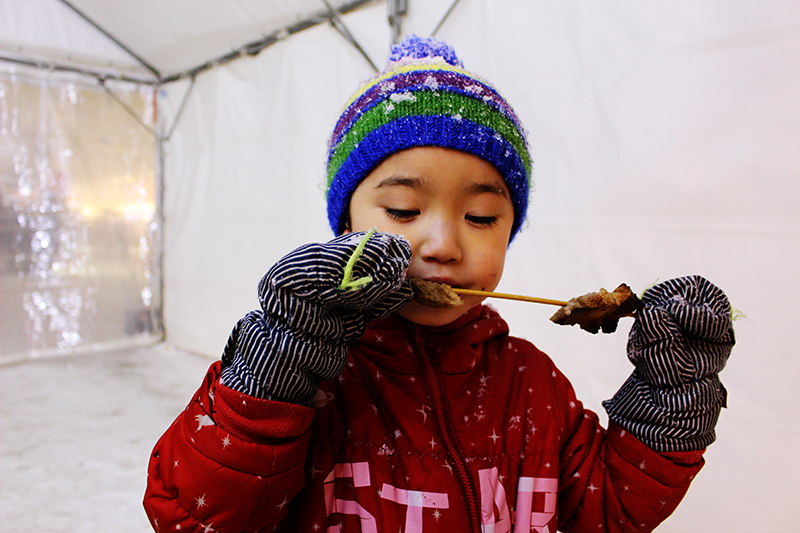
column 344, row 405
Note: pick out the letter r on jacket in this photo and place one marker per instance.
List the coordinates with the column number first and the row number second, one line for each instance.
column 527, row 518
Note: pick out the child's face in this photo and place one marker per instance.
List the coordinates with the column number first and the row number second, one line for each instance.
column 455, row 210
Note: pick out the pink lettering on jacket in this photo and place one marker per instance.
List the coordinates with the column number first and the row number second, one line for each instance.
column 493, row 495
column 415, row 501
column 527, row 518
column 495, row 513
column 359, row 472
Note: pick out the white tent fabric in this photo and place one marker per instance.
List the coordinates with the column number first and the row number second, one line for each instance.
column 153, row 38
column 665, row 137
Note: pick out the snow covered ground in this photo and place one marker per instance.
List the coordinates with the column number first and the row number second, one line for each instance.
column 76, row 432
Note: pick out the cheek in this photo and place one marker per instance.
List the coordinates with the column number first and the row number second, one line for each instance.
column 492, row 278
column 364, row 218
column 492, row 264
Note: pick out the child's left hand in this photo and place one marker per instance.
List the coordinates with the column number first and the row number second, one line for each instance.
column 683, row 333
column 680, row 341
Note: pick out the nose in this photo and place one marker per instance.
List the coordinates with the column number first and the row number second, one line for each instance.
column 441, row 242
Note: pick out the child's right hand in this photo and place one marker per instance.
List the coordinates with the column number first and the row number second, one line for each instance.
column 300, row 337
column 303, row 289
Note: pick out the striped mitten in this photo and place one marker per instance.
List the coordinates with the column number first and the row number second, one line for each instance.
column 306, row 321
column 679, row 343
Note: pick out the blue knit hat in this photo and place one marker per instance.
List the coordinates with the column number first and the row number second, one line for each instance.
column 424, row 97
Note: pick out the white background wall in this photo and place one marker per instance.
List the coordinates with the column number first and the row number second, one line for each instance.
column 666, row 140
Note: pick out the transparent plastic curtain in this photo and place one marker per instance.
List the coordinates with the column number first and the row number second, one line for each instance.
column 79, row 233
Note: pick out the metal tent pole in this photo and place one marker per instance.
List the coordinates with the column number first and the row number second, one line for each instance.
column 116, row 41
column 444, row 18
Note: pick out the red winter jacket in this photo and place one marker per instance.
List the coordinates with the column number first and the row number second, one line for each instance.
column 455, row 428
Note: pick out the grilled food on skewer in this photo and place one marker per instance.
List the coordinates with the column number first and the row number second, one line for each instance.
column 593, row 311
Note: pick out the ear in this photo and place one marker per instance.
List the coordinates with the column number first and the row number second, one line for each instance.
column 346, row 228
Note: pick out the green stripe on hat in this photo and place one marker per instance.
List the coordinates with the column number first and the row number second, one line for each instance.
column 426, row 102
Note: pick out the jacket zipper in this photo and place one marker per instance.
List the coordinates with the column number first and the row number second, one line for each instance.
column 441, row 414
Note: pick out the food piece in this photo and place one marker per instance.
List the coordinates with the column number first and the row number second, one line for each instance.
column 598, row 310
column 434, row 294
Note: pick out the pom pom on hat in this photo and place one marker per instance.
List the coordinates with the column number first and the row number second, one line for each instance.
column 414, row 47
column 424, row 97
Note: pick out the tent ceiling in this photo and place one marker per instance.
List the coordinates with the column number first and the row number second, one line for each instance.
column 171, row 36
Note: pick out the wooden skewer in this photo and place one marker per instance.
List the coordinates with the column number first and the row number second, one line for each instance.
column 505, row 296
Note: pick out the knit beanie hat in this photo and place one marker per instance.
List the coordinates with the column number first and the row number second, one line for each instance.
column 424, row 97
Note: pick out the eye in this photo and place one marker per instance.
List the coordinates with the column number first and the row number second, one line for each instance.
column 481, row 221
column 401, row 214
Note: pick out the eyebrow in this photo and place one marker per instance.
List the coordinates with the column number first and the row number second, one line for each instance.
column 475, row 187
column 401, row 181
column 484, row 187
